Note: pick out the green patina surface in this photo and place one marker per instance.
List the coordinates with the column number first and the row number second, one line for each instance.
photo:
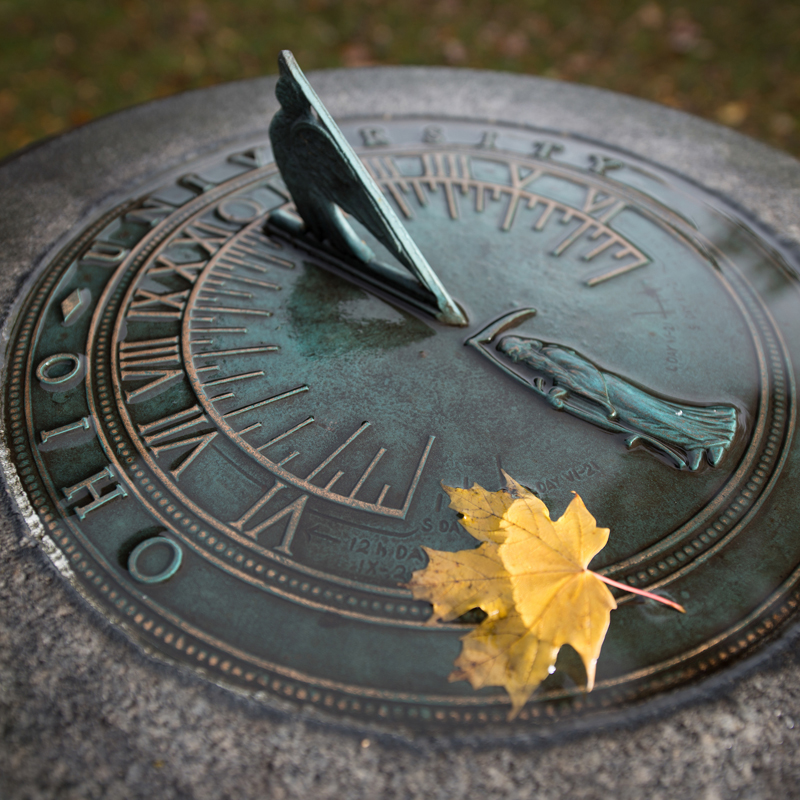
column 298, row 591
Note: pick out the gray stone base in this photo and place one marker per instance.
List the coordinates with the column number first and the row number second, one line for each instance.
column 85, row 714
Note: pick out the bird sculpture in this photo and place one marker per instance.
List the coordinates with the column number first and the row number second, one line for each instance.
column 326, row 178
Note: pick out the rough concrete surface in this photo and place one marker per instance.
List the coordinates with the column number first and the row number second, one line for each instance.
column 85, row 714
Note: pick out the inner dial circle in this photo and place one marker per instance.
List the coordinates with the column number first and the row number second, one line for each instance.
column 331, row 463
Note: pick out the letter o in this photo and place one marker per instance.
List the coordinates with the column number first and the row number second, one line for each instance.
column 167, row 572
column 43, row 371
column 235, row 209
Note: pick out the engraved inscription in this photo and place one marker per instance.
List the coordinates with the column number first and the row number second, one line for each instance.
column 93, row 487
column 546, row 149
column 69, row 435
column 567, row 477
column 104, row 254
column 603, row 164
column 145, row 574
column 61, row 372
column 374, row 136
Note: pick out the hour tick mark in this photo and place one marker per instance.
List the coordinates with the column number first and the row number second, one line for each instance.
column 326, row 461
column 364, row 475
column 273, row 399
column 253, row 312
column 247, row 281
column 232, row 378
column 240, row 351
column 283, row 435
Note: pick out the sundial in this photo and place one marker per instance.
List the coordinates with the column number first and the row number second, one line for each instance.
column 235, row 385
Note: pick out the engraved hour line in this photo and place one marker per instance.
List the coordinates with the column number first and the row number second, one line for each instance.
column 252, row 312
column 386, row 168
column 366, row 473
column 220, row 397
column 332, row 481
column 518, row 185
column 200, row 329
column 259, row 403
column 439, row 169
column 239, row 351
column 242, row 279
column 251, row 245
column 454, row 171
column 239, row 258
column 212, row 294
column 148, row 352
column 591, row 205
column 304, row 484
column 324, row 463
column 280, row 436
column 241, row 377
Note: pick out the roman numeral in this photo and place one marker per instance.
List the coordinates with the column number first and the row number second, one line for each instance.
column 150, row 360
column 205, row 235
column 597, row 201
column 152, row 306
column 166, row 266
column 168, row 432
column 294, row 511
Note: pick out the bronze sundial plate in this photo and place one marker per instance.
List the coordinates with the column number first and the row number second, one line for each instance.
column 236, row 452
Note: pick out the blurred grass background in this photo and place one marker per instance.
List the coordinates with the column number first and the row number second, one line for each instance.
column 65, row 62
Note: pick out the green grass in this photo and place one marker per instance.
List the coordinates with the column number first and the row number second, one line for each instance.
column 64, row 62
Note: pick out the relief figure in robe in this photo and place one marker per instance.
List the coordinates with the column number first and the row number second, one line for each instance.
column 572, row 383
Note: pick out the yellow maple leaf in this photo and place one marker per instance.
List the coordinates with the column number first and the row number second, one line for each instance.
column 559, row 600
column 504, row 652
column 530, row 576
column 455, row 583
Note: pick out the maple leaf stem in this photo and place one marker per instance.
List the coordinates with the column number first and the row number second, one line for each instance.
column 642, row 592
